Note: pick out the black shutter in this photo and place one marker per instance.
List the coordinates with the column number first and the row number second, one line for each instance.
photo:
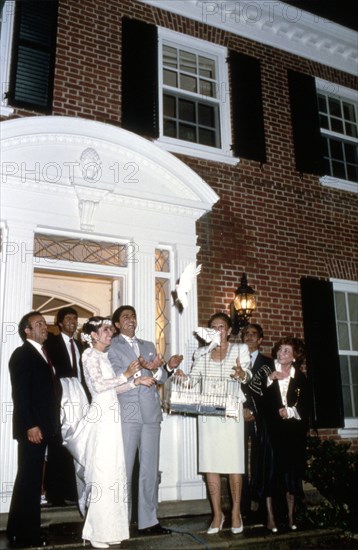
column 140, row 77
column 322, row 353
column 33, row 60
column 248, row 120
column 307, row 139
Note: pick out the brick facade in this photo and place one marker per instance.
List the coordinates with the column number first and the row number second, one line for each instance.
column 271, row 222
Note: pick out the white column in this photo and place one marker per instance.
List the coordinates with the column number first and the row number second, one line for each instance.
column 190, row 484
column 143, row 284
column 17, row 301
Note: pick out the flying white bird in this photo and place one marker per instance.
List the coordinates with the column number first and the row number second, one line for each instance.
column 211, row 337
column 184, row 285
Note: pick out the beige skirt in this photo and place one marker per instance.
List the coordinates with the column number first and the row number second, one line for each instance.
column 221, row 444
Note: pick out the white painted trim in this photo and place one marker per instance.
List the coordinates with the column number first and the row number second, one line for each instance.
column 275, row 24
column 336, row 183
column 7, row 26
column 219, row 54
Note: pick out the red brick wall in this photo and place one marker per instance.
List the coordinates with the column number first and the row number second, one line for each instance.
column 270, row 222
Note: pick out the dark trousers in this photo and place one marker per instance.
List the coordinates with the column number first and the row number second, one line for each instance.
column 24, row 519
column 60, row 479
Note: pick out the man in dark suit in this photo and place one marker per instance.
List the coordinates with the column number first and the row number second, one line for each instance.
column 141, row 414
column 65, row 353
column 36, row 395
column 252, row 335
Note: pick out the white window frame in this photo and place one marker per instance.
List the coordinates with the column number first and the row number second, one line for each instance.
column 336, row 90
column 220, row 54
column 6, row 35
column 350, row 424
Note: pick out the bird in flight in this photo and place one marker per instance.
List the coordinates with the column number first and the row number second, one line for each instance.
column 184, row 285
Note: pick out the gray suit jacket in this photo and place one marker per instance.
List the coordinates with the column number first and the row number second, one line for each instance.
column 140, row 404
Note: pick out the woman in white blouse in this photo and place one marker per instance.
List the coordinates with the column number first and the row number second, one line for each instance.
column 285, row 410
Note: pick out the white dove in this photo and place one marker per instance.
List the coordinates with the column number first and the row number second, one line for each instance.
column 210, row 336
column 184, row 285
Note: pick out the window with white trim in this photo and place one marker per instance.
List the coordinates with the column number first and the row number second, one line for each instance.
column 346, row 307
column 338, row 124
column 194, row 100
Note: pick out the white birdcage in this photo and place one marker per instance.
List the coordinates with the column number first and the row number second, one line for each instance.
column 205, row 395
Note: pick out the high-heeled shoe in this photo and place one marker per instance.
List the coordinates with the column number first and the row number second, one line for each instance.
column 293, row 527
column 96, row 544
column 238, row 530
column 272, row 530
column 215, row 530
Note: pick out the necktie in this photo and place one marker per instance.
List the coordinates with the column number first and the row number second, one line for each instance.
column 134, row 344
column 74, row 358
column 48, row 361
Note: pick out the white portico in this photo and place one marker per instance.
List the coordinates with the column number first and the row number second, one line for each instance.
column 69, row 185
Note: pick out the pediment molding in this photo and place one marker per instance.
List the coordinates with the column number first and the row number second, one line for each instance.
column 276, row 24
column 95, row 163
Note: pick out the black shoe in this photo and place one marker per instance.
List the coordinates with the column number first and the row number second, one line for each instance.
column 154, row 530
column 20, row 542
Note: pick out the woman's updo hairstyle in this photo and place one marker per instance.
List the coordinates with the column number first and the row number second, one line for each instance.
column 93, row 325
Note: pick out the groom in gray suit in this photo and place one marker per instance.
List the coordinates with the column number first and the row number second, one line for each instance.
column 141, row 414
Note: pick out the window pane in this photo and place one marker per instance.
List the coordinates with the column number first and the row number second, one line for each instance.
column 169, row 128
column 351, row 130
column 187, row 62
column 323, row 121
column 340, row 303
column 336, row 149
column 354, row 336
column 343, row 336
column 338, row 170
column 349, row 112
column 207, row 67
column 353, row 307
column 188, row 133
column 344, row 370
column 350, row 152
column 170, row 57
column 81, row 250
column 347, row 401
column 188, row 83
column 354, row 369
column 352, row 173
column 187, row 111
column 207, row 88
column 170, row 78
column 162, row 260
column 337, row 125
column 207, row 137
column 334, row 107
column 322, row 103
column 169, row 106
column 206, row 116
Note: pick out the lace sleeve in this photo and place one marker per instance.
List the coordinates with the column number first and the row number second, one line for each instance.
column 94, row 375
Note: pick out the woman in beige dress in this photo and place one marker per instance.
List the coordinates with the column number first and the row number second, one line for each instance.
column 221, row 439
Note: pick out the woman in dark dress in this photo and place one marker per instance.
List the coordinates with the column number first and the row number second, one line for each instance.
column 284, row 411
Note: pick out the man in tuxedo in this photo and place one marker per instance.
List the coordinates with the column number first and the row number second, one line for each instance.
column 252, row 335
column 141, row 414
column 36, row 395
column 65, row 353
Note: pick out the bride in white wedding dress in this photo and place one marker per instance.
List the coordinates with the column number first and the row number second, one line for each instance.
column 95, row 439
